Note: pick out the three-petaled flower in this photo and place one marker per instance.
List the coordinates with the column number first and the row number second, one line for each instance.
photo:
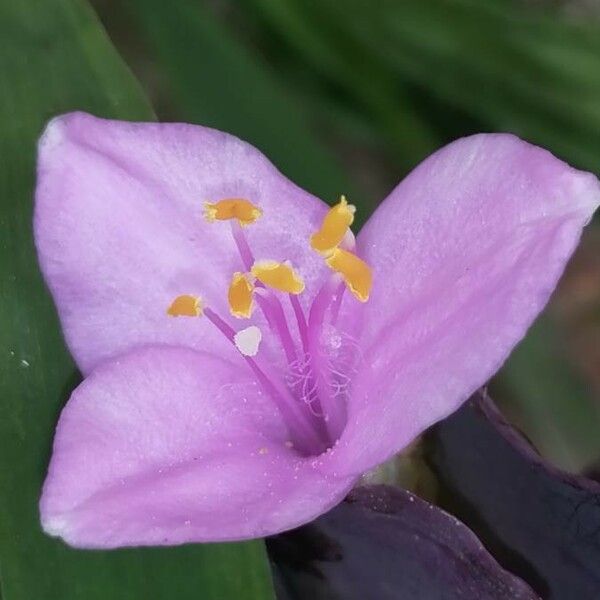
column 308, row 356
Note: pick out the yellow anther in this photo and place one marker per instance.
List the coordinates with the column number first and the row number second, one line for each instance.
column 232, row 208
column 241, row 304
column 185, row 306
column 334, row 227
column 355, row 272
column 279, row 276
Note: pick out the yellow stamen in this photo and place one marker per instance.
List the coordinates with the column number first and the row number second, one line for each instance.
column 232, row 208
column 186, row 306
column 334, row 227
column 355, row 272
column 241, row 304
column 279, row 276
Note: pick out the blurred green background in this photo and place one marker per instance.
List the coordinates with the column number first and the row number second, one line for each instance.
column 346, row 97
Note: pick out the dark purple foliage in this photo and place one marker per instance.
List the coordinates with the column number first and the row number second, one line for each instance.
column 539, row 522
column 384, row 543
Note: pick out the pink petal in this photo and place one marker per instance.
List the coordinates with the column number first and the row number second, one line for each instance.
column 170, row 445
column 466, row 252
column 120, row 230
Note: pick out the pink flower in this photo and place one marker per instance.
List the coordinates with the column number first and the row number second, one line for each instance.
column 299, row 357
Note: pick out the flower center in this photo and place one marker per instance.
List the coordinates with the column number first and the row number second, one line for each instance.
column 311, row 393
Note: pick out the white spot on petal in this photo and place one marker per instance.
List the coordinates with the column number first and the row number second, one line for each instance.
column 53, row 134
column 54, row 526
column 248, row 340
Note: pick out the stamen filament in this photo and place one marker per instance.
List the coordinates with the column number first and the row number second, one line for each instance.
column 300, row 320
column 267, row 301
column 334, row 411
column 242, row 244
column 314, row 414
column 304, row 435
column 273, row 311
column 337, row 302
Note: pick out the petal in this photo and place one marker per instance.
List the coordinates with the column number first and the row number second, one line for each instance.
column 170, row 445
column 120, row 230
column 465, row 253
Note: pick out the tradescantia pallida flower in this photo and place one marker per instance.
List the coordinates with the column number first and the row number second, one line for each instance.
column 246, row 359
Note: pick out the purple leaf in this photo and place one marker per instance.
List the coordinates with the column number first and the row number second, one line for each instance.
column 538, row 521
column 383, row 542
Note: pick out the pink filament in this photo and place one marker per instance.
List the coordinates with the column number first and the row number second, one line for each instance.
column 301, row 321
column 333, row 408
column 242, row 244
column 273, row 311
column 268, row 302
column 304, row 435
column 319, row 420
column 337, row 302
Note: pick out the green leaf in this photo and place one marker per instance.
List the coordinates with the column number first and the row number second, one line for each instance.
column 55, row 58
column 331, row 51
column 216, row 81
column 412, row 64
column 511, row 67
